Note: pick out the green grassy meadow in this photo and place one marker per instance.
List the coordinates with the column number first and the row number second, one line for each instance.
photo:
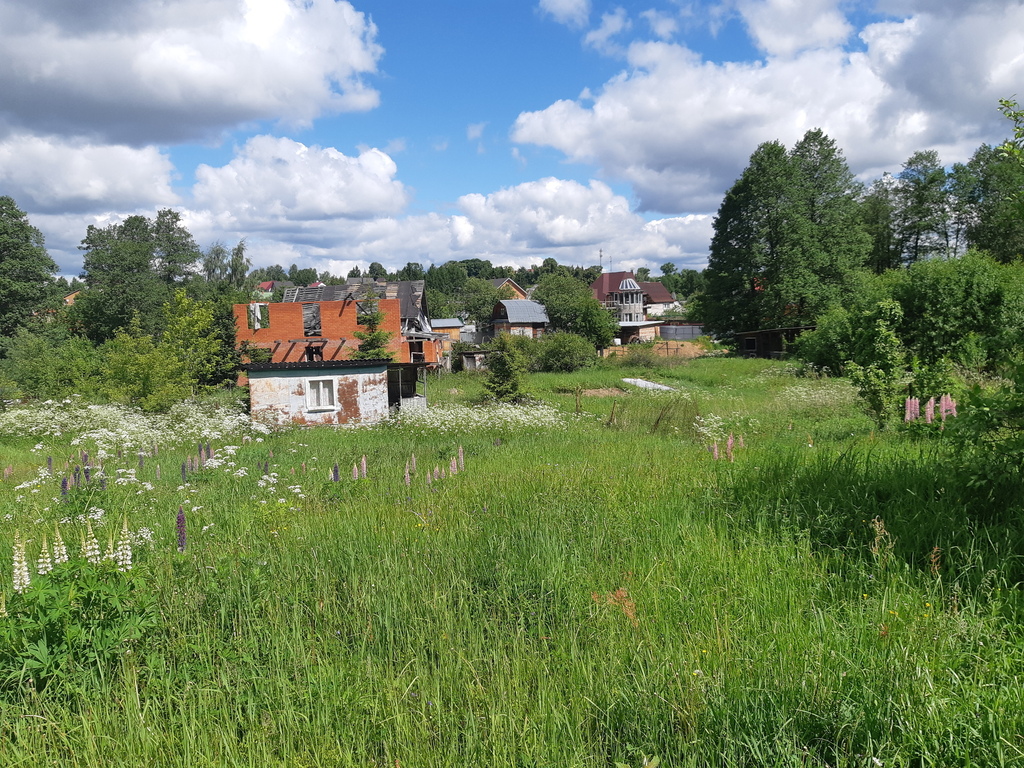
column 590, row 587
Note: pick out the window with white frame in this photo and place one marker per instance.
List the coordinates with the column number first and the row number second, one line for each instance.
column 320, row 395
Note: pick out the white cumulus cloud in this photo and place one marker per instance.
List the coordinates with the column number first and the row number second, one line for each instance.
column 679, row 128
column 182, row 69
column 281, row 183
column 50, row 174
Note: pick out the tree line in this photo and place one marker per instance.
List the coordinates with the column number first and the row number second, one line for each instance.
column 796, row 234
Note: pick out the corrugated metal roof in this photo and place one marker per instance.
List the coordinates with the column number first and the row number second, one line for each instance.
column 447, row 322
column 524, row 311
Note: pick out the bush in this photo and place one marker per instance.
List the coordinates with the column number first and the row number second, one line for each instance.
column 506, row 369
column 564, row 352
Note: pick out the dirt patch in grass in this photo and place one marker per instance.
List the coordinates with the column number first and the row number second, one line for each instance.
column 606, row 392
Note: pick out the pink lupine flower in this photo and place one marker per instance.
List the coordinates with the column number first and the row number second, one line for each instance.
column 408, row 480
column 355, row 471
column 728, row 447
column 362, row 467
column 929, row 411
column 462, row 460
column 412, row 463
column 741, row 442
column 714, row 451
column 908, row 410
column 453, row 467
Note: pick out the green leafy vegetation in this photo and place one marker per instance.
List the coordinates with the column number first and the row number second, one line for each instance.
column 577, row 581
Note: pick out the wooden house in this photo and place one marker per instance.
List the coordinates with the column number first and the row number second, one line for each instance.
column 520, row 317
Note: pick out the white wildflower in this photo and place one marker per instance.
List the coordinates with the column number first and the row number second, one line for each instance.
column 44, row 564
column 60, row 550
column 123, row 553
column 90, row 546
column 21, row 574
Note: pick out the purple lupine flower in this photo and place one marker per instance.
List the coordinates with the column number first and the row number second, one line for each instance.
column 437, row 473
column 453, row 466
column 929, row 411
column 362, row 467
column 209, row 453
column 63, row 486
column 199, row 449
column 119, row 454
column 728, row 447
column 181, row 528
column 462, row 460
column 87, row 472
column 49, row 464
column 443, row 476
column 85, row 458
column 336, row 473
column 184, row 473
column 201, row 458
column 266, row 467
column 103, row 483
column 78, row 476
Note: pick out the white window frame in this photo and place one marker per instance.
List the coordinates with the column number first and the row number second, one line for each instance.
column 317, row 387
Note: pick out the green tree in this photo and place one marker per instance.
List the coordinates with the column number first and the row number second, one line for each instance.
column 572, row 308
column 174, row 250
column 997, row 223
column 137, row 372
column 120, row 278
column 191, row 337
column 215, row 262
column 506, row 371
column 238, row 266
column 787, row 239
column 747, row 247
column 878, row 213
column 376, row 270
column 411, row 271
column 373, row 342
column 922, row 207
column 26, row 269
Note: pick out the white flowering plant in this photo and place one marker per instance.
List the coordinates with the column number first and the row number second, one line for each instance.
column 73, row 621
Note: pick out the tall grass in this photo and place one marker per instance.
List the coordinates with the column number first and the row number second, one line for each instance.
column 587, row 591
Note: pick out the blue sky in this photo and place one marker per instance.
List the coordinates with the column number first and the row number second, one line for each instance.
column 331, row 134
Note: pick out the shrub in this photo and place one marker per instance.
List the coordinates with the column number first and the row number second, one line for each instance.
column 506, row 366
column 564, row 352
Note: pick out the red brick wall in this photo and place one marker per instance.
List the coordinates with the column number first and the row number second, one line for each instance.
column 284, row 335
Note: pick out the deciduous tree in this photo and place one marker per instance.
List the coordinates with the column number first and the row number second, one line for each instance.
column 26, row 269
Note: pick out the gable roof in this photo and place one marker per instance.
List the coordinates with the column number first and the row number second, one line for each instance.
column 524, row 311
column 657, row 293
